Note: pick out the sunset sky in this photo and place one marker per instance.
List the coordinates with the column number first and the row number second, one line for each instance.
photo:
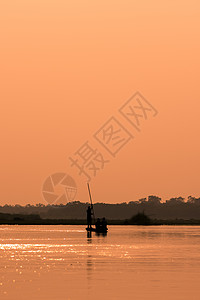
column 66, row 67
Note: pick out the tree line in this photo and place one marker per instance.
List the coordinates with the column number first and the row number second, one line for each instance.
column 153, row 206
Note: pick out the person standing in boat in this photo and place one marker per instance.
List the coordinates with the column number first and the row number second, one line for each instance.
column 89, row 217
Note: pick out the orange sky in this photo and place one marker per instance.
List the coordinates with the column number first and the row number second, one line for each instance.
column 66, row 67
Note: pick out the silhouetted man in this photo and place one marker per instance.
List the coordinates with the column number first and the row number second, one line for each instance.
column 89, row 217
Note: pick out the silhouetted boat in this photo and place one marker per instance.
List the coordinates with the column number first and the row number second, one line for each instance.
column 102, row 225
column 92, row 229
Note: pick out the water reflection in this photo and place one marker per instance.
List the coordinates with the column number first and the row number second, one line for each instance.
column 104, row 234
column 60, row 262
column 89, row 267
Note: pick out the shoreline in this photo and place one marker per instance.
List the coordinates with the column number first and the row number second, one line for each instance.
column 177, row 222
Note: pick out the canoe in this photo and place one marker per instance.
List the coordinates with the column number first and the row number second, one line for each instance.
column 92, row 229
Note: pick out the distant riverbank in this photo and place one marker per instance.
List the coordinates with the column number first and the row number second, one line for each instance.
column 175, row 208
column 24, row 221
column 139, row 219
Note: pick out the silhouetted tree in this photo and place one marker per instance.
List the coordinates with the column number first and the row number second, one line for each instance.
column 154, row 199
column 175, row 201
column 142, row 200
column 140, row 219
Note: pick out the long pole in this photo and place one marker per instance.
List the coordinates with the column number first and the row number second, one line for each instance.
column 91, row 200
column 89, row 193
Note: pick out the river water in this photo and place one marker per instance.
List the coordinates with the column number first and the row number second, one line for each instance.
column 131, row 262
